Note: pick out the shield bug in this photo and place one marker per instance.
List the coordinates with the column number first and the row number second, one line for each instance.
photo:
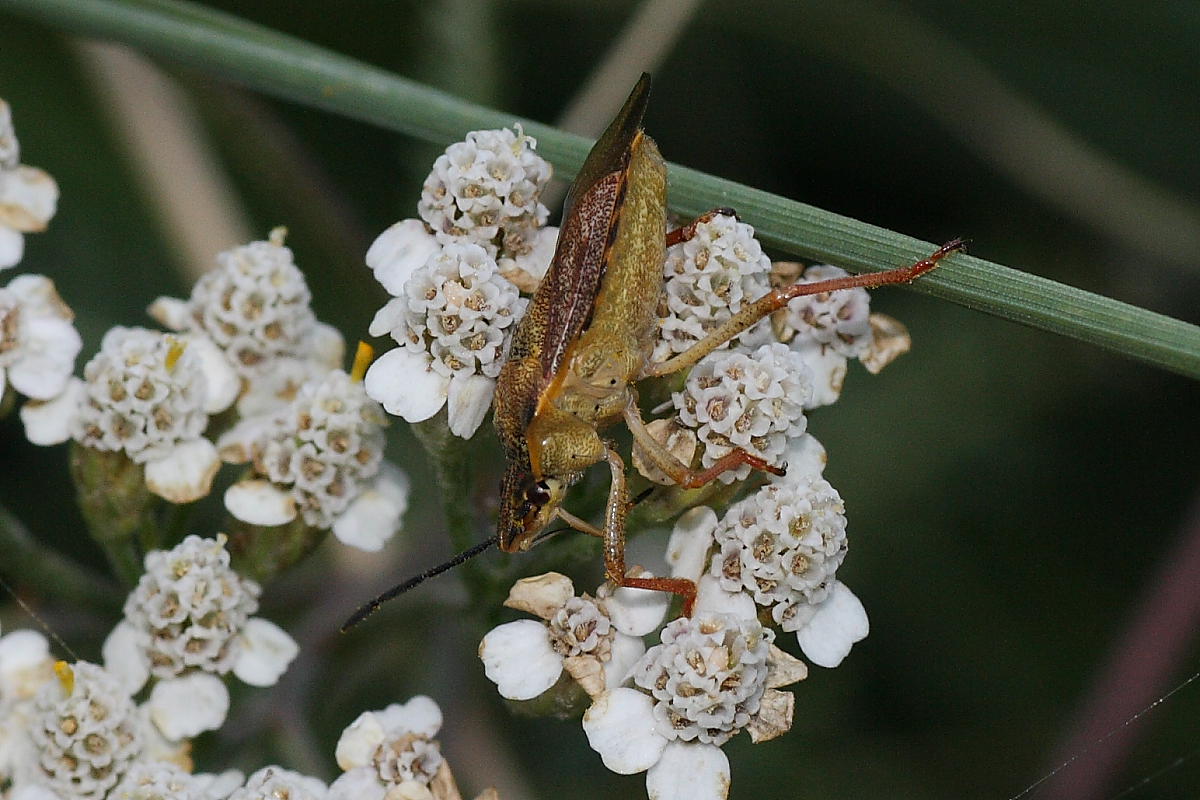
column 586, row 340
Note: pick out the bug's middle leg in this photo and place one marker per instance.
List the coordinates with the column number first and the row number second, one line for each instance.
column 614, row 541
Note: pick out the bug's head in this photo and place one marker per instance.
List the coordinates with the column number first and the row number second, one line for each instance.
column 527, row 506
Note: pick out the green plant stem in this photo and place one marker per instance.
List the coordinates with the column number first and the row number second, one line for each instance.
column 28, row 561
column 289, row 68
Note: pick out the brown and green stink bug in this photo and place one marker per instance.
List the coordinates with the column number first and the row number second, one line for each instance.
column 587, row 338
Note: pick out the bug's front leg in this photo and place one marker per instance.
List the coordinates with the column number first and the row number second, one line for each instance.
column 776, row 299
column 682, row 474
column 614, row 540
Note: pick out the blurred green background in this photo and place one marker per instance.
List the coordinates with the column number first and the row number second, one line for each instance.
column 1013, row 496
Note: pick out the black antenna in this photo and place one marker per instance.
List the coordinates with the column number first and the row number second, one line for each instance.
column 369, row 608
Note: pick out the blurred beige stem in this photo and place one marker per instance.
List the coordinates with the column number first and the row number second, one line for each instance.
column 642, row 45
column 183, row 181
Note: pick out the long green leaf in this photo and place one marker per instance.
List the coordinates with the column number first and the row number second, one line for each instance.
column 280, row 65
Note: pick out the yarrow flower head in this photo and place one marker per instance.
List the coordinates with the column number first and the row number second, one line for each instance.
column 454, row 321
column 390, row 748
column 146, row 395
column 839, row 320
column 322, row 456
column 713, row 675
column 753, row 401
column 38, row 342
column 596, row 640
column 84, row 728
column 28, row 195
column 488, row 189
column 707, row 279
column 277, row 783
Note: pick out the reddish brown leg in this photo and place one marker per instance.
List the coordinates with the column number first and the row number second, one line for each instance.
column 778, row 298
column 688, row 231
column 614, row 542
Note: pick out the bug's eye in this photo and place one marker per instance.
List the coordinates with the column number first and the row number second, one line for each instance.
column 538, row 493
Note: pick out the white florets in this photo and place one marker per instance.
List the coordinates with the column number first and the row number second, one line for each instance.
column 461, row 310
column 145, row 395
column 783, row 545
column 255, row 305
column 707, row 280
column 277, row 783
column 189, row 607
column 581, row 627
column 324, row 447
column 750, row 401
column 86, row 733
column 156, row 780
column 28, row 196
column 838, row 319
column 38, row 343
column 389, row 748
column 708, row 676
column 488, row 189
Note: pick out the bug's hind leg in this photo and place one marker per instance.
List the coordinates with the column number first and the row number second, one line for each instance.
column 688, row 231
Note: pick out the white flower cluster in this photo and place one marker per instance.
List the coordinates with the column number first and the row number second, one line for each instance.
column 252, row 312
column 38, row 343
column 321, row 457
column 147, row 394
column 86, row 733
column 783, row 544
column 488, row 189
column 453, row 317
column 708, row 676
column 454, row 278
column 28, row 195
column 393, row 754
column 707, row 279
column 189, row 607
column 838, row 319
column 752, row 401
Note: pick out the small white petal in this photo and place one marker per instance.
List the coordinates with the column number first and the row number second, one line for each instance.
column 171, row 312
column 358, row 742
column 710, row 597
column 266, row 650
column 24, row 666
column 838, row 623
column 626, row 651
column 33, row 791
column 689, row 771
column 406, row 385
column 390, row 317
column 125, row 659
column 12, row 247
column 691, row 539
column 185, row 707
column 374, row 516
column 325, row 345
column 517, row 657
column 48, row 422
column 805, row 457
column 45, row 365
column 420, row 715
column 636, row 612
column 235, row 445
column 186, row 473
column 221, row 382
column 360, row 783
column 828, row 372
column 620, row 727
column 398, row 251
column 258, row 502
column 541, row 595
column 470, row 397
column 28, row 198
column 218, row 786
